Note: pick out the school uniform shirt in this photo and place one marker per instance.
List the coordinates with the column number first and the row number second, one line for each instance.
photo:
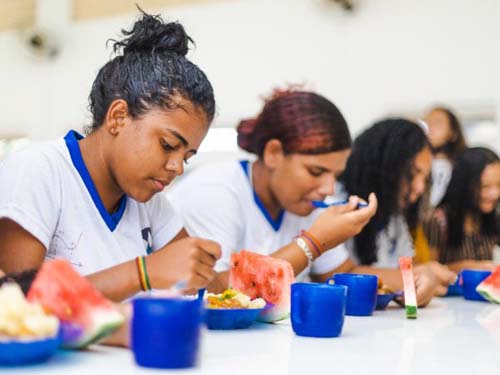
column 392, row 241
column 440, row 178
column 48, row 190
column 218, row 202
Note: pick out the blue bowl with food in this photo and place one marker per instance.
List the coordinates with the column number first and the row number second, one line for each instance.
column 15, row 352
column 230, row 318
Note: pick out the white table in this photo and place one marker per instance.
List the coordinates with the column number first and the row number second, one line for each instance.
column 450, row 336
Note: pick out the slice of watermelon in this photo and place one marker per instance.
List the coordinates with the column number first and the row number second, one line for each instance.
column 62, row 291
column 260, row 276
column 489, row 288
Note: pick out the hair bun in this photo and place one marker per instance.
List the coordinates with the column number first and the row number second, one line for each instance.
column 246, row 138
column 151, row 33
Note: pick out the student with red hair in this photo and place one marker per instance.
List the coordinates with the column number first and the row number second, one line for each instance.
column 302, row 143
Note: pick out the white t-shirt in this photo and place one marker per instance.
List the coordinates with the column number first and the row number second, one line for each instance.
column 391, row 242
column 218, row 202
column 441, row 175
column 49, row 192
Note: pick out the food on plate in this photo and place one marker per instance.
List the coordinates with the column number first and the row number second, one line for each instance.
column 383, row 288
column 233, row 299
column 260, row 276
column 62, row 291
column 20, row 319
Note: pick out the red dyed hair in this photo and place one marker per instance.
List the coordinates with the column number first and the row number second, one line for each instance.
column 304, row 122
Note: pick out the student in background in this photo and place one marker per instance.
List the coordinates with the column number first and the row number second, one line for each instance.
column 93, row 200
column 447, row 141
column 302, row 142
column 393, row 159
column 464, row 228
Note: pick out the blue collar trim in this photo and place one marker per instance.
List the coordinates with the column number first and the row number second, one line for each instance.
column 111, row 220
column 275, row 224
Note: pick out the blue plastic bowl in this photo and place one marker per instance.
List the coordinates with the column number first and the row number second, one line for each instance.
column 230, row 318
column 24, row 352
column 383, row 300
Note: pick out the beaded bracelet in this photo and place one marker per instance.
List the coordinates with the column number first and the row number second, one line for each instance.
column 317, row 245
column 143, row 273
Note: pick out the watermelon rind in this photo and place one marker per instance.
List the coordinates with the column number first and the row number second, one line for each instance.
column 274, row 314
column 104, row 323
column 488, row 293
column 63, row 292
column 489, row 288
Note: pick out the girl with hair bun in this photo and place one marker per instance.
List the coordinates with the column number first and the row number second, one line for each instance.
column 94, row 200
column 302, row 143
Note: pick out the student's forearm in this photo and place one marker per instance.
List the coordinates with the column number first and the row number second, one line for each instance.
column 390, row 277
column 471, row 264
column 293, row 254
column 117, row 283
column 122, row 281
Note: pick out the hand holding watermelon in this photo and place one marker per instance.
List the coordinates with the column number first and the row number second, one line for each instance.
column 339, row 223
column 189, row 259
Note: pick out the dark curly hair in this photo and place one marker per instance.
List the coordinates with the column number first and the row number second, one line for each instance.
column 381, row 159
column 149, row 69
column 462, row 195
column 304, row 122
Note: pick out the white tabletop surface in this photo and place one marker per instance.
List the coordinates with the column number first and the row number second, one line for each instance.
column 450, row 336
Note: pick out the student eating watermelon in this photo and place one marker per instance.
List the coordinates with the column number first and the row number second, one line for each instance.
column 94, row 200
column 302, row 143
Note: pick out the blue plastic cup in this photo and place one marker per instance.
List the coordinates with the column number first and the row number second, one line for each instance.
column 361, row 292
column 470, row 280
column 318, row 309
column 166, row 332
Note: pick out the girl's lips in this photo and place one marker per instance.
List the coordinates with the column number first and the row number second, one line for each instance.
column 159, row 184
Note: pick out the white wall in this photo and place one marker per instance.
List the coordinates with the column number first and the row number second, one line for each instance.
column 388, row 54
